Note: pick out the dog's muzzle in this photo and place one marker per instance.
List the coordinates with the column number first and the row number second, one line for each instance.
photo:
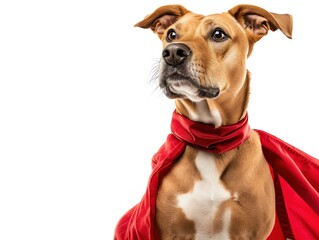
column 177, row 77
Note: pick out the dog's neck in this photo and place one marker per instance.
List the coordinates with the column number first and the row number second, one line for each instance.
column 229, row 108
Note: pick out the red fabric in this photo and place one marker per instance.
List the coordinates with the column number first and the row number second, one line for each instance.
column 139, row 222
column 296, row 179
column 297, row 188
column 208, row 138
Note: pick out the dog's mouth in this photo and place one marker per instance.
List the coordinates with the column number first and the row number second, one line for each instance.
column 179, row 86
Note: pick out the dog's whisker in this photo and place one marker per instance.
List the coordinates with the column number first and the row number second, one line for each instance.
column 155, row 73
column 156, row 88
column 154, row 78
column 155, row 70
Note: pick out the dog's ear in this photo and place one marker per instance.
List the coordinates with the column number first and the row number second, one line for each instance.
column 162, row 18
column 257, row 22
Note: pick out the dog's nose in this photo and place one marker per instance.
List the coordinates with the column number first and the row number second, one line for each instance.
column 175, row 53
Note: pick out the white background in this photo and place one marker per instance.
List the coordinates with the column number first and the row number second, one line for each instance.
column 80, row 118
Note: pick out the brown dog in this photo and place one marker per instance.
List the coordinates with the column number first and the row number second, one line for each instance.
column 203, row 67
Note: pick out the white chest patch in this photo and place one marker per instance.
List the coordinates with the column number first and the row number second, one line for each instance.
column 217, row 118
column 203, row 114
column 201, row 204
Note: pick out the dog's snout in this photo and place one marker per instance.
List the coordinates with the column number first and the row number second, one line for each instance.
column 175, row 53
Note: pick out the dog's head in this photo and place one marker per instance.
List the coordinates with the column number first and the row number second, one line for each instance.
column 204, row 56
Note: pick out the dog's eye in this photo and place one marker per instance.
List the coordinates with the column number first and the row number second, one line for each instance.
column 171, row 35
column 219, row 35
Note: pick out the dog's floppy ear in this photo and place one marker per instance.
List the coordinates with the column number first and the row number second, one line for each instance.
column 162, row 18
column 257, row 21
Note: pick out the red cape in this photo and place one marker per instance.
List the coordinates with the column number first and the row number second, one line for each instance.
column 296, row 179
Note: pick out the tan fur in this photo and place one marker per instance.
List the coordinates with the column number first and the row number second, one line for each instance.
column 175, row 182
column 243, row 171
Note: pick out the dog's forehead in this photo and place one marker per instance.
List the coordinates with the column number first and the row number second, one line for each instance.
column 189, row 22
column 192, row 21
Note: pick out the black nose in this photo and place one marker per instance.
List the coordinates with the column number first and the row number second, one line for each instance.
column 175, row 53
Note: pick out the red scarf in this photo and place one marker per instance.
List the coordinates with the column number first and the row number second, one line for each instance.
column 296, row 179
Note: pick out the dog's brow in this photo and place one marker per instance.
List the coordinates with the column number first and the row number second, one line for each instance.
column 178, row 26
column 208, row 23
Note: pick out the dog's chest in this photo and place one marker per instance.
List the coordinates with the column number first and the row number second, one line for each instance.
column 204, row 203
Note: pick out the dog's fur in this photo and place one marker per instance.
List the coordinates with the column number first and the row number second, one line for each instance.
column 203, row 67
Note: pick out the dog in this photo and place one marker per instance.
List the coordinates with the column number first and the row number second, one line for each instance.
column 205, row 195
column 203, row 68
